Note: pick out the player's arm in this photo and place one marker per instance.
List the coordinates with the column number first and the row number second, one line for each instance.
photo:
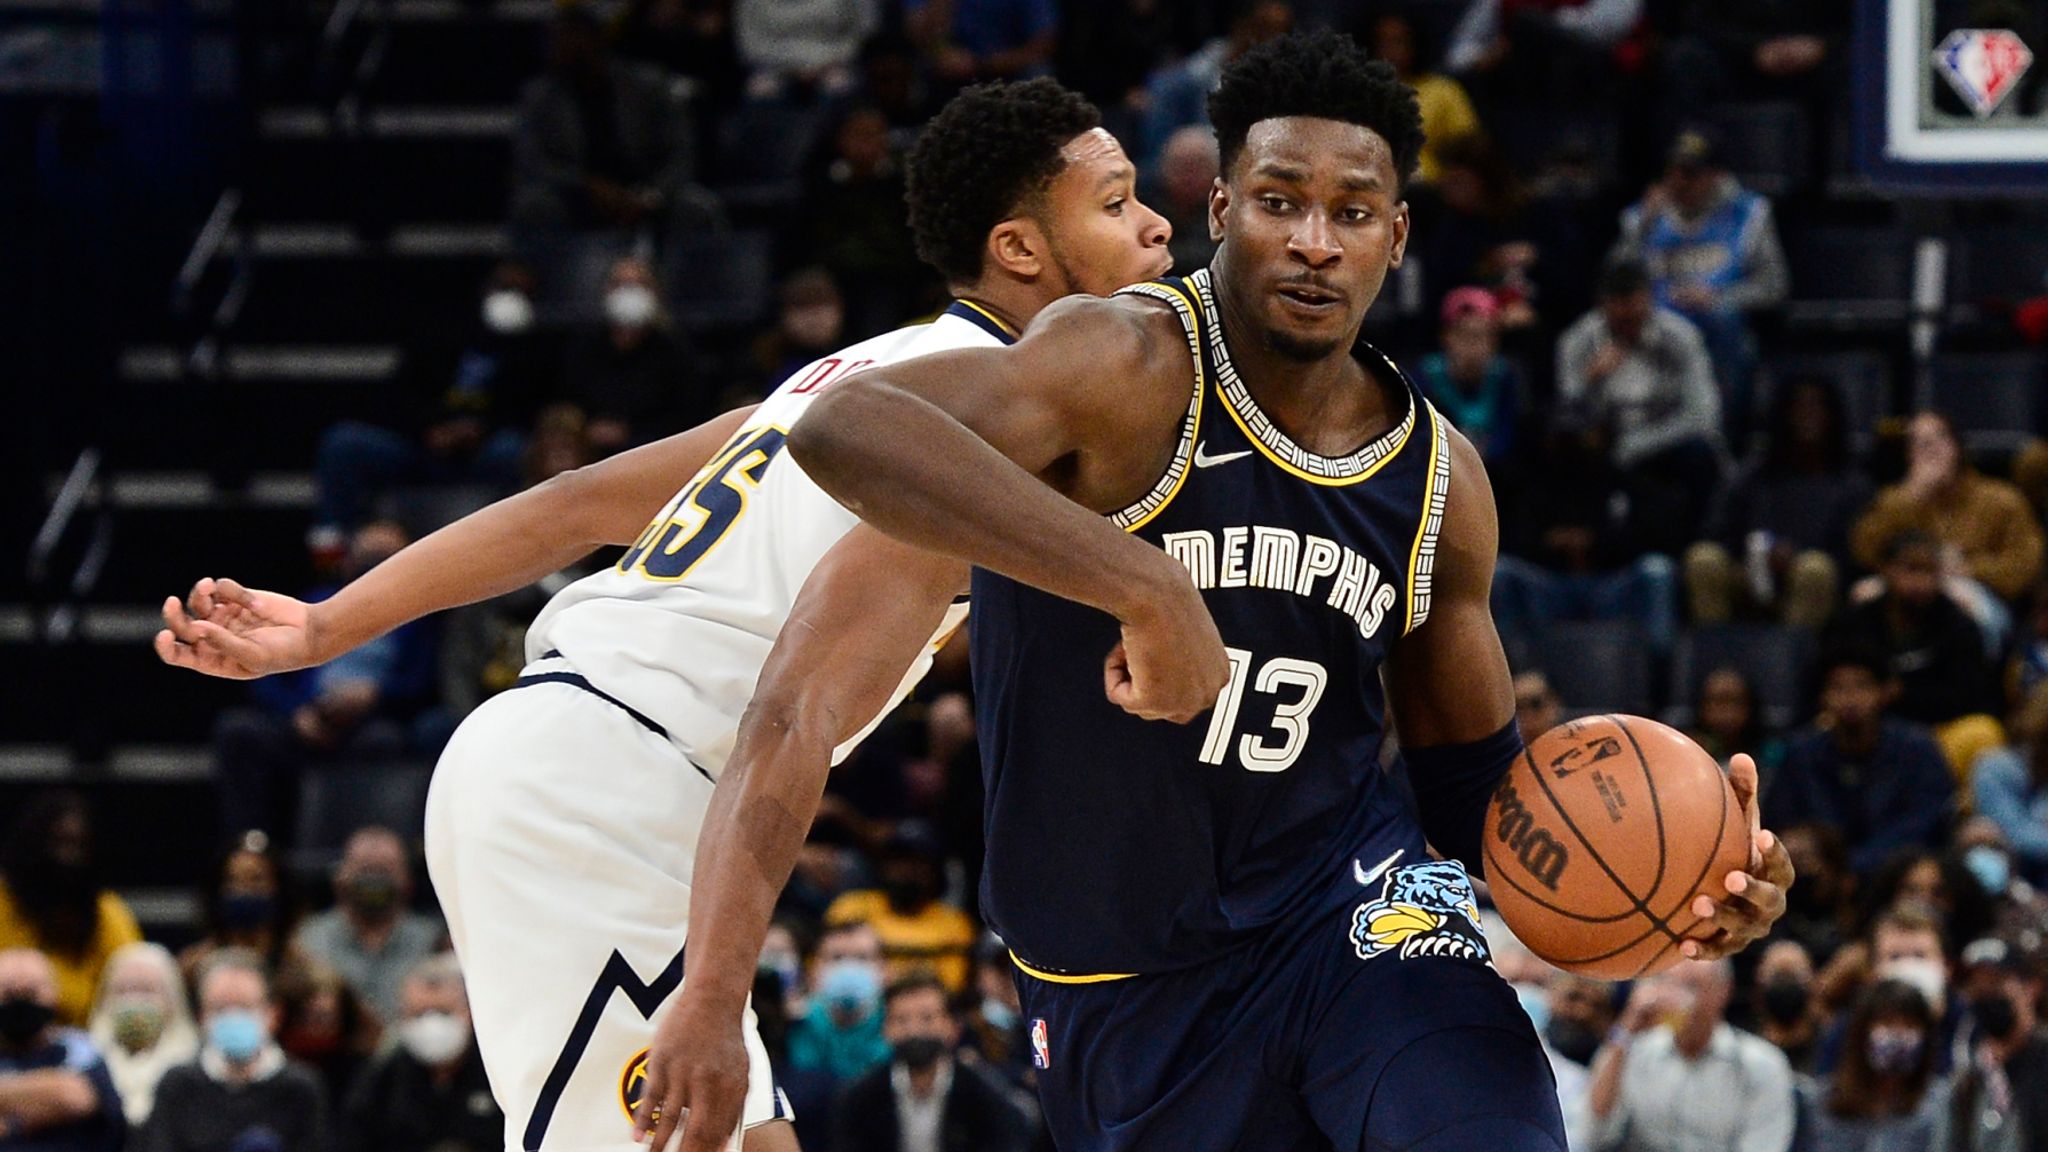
column 224, row 629
column 945, row 452
column 863, row 617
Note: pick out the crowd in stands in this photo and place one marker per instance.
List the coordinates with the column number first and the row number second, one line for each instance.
column 1601, row 317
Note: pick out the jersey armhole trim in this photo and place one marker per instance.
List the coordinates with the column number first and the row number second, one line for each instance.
column 1422, row 556
column 1052, row 977
column 1137, row 515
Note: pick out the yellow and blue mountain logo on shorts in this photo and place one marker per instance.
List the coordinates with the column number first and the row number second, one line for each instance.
column 1422, row 910
column 633, row 1083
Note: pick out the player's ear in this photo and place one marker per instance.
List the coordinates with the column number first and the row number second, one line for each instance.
column 1401, row 223
column 1219, row 203
column 1018, row 247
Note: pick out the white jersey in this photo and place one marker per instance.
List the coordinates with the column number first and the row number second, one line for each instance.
column 679, row 629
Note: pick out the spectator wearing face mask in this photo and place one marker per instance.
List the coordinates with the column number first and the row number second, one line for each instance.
column 371, row 937
column 246, row 909
column 917, row 930
column 471, row 429
column 2000, row 1102
column 1675, row 1075
column 2011, row 787
column 55, row 1092
column 373, row 701
column 632, row 379
column 840, row 1037
column 142, row 1024
column 1905, row 944
column 924, row 1100
column 242, row 1094
column 1886, row 1095
column 51, row 899
column 429, row 1093
column 1784, row 1008
column 325, row 1026
column 994, row 1028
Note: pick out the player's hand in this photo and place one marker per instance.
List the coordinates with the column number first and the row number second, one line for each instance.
column 696, row 1080
column 1756, row 897
column 1170, row 664
column 223, row 629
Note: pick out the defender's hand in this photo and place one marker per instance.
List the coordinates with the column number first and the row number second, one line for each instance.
column 1756, row 898
column 696, row 1080
column 226, row 630
column 1170, row 664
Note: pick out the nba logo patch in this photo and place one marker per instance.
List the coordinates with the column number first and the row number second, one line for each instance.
column 1041, row 1052
column 1983, row 65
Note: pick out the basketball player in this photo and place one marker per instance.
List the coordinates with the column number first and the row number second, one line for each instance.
column 1230, row 935
column 564, row 815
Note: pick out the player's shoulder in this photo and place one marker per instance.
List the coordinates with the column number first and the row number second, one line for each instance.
column 1120, row 336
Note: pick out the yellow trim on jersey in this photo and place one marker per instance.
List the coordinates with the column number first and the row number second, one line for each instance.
column 1435, row 492
column 994, row 319
column 1191, row 424
column 1407, row 430
column 1064, row 977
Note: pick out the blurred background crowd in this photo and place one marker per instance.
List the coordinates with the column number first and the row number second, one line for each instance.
column 1764, row 441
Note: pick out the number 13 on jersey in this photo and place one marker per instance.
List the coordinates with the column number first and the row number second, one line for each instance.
column 1281, row 676
column 707, row 509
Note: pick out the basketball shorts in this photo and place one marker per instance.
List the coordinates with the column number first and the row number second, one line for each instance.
column 560, row 837
column 1373, row 1020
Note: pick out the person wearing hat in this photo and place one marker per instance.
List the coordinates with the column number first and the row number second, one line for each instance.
column 917, row 929
column 1712, row 251
column 2001, row 1098
column 1476, row 388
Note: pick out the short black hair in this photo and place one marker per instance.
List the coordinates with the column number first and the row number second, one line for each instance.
column 1856, row 653
column 916, row 980
column 1624, row 276
column 1321, row 74
column 984, row 158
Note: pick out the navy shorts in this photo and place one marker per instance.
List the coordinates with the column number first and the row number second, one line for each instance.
column 1373, row 1020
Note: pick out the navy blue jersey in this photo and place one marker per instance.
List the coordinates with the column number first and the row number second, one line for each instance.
column 1118, row 845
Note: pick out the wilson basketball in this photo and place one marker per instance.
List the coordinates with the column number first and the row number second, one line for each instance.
column 1600, row 838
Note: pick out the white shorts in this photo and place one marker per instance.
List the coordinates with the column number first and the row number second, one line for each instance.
column 560, row 835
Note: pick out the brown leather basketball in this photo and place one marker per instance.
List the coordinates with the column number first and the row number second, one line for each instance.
column 1601, row 836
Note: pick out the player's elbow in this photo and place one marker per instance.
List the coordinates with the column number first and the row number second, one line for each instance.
column 830, row 443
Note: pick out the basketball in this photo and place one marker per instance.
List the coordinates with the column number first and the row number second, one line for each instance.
column 1600, row 838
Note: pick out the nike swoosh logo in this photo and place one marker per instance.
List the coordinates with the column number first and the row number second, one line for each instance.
column 1203, row 460
column 1365, row 878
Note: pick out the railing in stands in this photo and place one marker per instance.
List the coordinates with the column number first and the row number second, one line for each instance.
column 188, row 291
column 49, row 583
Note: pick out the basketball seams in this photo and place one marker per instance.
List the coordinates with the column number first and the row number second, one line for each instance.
column 1656, row 808
column 1550, row 794
column 1493, row 873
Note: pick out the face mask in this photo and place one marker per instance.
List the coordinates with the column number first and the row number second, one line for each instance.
column 1535, row 1003
column 138, row 1023
column 23, row 1019
column 1929, row 977
column 920, row 1052
column 850, row 987
column 1575, row 1040
column 631, row 306
column 245, row 911
column 1992, row 870
column 372, row 892
column 1894, row 1051
column 435, row 1038
column 1785, row 1000
column 508, row 313
column 1996, row 1016
column 1000, row 1016
column 237, row 1035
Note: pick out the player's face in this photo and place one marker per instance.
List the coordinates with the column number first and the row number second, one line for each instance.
column 1311, row 219
column 1102, row 236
